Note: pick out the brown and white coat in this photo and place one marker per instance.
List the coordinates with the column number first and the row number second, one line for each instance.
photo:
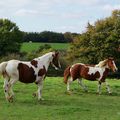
column 27, row 72
column 97, row 72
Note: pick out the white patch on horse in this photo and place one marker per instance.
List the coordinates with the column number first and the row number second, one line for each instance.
column 75, row 65
column 93, row 70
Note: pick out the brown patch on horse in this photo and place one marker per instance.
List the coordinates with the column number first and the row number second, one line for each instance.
column 34, row 63
column 42, row 71
column 104, row 75
column 75, row 71
column 26, row 73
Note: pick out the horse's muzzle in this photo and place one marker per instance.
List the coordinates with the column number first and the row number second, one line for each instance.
column 115, row 70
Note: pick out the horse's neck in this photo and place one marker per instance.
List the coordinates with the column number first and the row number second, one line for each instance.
column 45, row 60
column 105, row 73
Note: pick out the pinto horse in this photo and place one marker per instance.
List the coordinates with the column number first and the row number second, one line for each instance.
column 90, row 72
column 27, row 72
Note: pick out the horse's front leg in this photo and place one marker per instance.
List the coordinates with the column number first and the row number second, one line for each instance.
column 107, row 87
column 99, row 87
column 40, row 87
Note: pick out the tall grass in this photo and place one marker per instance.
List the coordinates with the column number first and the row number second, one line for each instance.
column 58, row 105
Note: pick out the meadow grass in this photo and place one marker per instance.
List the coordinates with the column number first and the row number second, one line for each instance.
column 28, row 47
column 58, row 105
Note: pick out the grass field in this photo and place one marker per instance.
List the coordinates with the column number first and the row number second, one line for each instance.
column 60, row 106
column 28, row 47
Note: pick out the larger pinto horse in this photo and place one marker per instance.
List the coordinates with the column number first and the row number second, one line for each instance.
column 27, row 72
column 90, row 72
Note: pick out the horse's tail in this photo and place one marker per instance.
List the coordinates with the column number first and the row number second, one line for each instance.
column 66, row 74
column 3, row 67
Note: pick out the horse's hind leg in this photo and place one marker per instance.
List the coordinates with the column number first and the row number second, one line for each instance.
column 99, row 87
column 6, row 87
column 40, row 87
column 11, row 82
column 68, row 84
column 82, row 85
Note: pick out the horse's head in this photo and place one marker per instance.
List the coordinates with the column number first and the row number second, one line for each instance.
column 55, row 61
column 111, row 64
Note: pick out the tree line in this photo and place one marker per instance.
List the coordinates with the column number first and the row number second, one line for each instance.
column 48, row 37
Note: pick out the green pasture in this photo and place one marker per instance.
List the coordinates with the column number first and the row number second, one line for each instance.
column 28, row 47
column 58, row 105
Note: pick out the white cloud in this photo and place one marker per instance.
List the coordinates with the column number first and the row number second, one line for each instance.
column 25, row 12
column 82, row 2
column 109, row 7
column 13, row 3
column 73, row 15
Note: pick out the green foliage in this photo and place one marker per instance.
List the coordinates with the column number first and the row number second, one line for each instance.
column 10, row 37
column 60, row 106
column 9, row 57
column 100, row 41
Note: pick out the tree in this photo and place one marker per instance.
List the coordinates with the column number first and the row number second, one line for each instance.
column 10, row 37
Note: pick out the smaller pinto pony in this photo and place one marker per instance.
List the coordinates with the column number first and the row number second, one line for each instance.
column 97, row 72
column 33, row 71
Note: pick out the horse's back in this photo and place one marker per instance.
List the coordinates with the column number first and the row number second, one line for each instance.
column 11, row 68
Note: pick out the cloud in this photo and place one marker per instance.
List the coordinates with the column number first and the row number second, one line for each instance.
column 25, row 12
column 73, row 15
column 110, row 8
column 13, row 3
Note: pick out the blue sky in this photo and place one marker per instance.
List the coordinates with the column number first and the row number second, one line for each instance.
column 56, row 15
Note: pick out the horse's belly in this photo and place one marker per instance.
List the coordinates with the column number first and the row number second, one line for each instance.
column 90, row 77
column 27, row 79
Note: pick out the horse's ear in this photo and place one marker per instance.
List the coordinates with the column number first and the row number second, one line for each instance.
column 111, row 58
column 56, row 53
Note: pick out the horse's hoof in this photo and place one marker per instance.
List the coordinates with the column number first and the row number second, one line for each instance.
column 69, row 92
column 41, row 99
column 86, row 91
column 34, row 94
column 10, row 99
column 98, row 93
column 110, row 93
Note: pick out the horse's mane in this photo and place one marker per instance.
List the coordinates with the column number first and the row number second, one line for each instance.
column 102, row 63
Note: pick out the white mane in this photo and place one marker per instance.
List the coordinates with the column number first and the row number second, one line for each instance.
column 46, row 55
column 102, row 63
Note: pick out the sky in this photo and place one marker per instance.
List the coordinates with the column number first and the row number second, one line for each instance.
column 56, row 15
